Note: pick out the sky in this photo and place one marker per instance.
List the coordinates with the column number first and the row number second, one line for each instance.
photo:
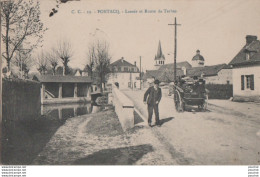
column 216, row 27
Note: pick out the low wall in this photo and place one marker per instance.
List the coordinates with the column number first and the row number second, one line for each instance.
column 124, row 108
column 21, row 99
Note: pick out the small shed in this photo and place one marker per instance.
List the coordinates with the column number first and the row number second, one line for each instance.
column 64, row 89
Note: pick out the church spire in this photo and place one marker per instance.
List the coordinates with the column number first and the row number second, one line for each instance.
column 159, row 51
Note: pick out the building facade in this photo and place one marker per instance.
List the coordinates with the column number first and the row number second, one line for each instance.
column 245, row 68
column 124, row 74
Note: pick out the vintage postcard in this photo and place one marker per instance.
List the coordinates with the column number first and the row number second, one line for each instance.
column 170, row 82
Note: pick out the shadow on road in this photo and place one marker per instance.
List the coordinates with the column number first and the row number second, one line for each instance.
column 162, row 121
column 194, row 109
column 118, row 156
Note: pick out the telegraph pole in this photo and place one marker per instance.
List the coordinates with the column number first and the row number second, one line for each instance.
column 175, row 48
column 140, row 73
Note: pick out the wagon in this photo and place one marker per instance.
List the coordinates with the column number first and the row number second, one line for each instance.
column 188, row 91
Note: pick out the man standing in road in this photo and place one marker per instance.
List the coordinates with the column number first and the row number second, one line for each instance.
column 154, row 94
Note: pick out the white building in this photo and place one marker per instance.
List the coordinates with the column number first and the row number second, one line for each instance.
column 198, row 60
column 125, row 74
column 246, row 71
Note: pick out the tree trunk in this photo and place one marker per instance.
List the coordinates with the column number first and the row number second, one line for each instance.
column 8, row 65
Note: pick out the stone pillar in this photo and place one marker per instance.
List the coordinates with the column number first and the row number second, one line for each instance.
column 60, row 113
column 42, row 93
column 60, row 90
column 75, row 90
column 88, row 91
column 75, row 111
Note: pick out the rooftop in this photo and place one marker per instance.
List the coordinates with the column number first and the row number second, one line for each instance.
column 162, row 76
column 207, row 70
column 252, row 48
column 170, row 66
column 122, row 62
column 64, row 79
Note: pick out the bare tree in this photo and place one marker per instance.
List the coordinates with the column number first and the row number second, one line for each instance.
column 41, row 63
column 102, row 61
column 23, row 61
column 21, row 22
column 53, row 60
column 64, row 52
column 91, row 57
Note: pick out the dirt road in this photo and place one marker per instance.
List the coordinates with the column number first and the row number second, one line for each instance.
column 227, row 133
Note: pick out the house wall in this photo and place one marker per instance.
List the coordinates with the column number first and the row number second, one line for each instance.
column 247, row 94
column 123, row 79
column 197, row 63
column 224, row 76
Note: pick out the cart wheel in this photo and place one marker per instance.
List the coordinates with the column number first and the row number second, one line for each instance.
column 179, row 104
column 205, row 103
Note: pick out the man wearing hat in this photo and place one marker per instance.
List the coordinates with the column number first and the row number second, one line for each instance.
column 154, row 94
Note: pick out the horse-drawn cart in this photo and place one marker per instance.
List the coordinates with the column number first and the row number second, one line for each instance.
column 188, row 91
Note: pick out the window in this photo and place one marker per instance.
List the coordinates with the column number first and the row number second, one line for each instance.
column 125, row 68
column 132, row 69
column 119, row 68
column 247, row 82
column 247, row 55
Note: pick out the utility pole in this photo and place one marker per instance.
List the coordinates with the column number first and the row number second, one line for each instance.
column 140, row 73
column 175, row 48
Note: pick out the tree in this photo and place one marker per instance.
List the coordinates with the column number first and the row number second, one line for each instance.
column 53, row 60
column 64, row 52
column 91, row 57
column 21, row 26
column 23, row 61
column 41, row 63
column 102, row 61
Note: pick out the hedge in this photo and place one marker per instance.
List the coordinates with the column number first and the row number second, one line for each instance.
column 220, row 91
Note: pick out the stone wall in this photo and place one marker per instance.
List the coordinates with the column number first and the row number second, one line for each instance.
column 21, row 99
column 124, row 108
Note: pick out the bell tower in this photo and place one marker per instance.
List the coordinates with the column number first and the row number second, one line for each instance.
column 159, row 58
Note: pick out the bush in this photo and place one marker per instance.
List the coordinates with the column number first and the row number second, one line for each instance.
column 220, row 91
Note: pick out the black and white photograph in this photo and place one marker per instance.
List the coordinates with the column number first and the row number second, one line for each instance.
column 133, row 83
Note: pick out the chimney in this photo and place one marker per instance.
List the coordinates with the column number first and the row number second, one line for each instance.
column 135, row 63
column 250, row 39
column 122, row 59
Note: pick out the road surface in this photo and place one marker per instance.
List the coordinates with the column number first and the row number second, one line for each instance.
column 227, row 133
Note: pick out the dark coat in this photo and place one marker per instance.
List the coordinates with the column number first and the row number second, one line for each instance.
column 153, row 95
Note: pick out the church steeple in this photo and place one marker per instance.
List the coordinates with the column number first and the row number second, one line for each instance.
column 159, row 57
column 159, row 52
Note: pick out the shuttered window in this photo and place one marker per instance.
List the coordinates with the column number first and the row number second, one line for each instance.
column 252, row 84
column 242, row 82
column 247, row 82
